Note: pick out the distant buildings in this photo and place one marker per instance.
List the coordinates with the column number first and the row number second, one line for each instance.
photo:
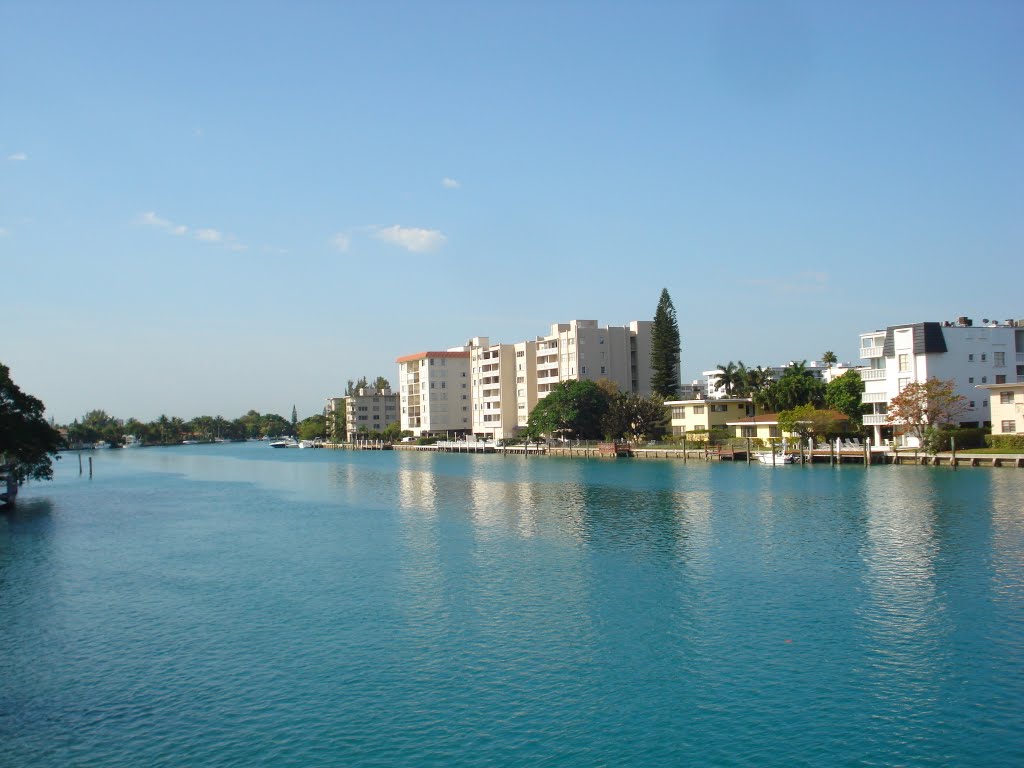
column 489, row 389
column 969, row 355
column 1007, row 405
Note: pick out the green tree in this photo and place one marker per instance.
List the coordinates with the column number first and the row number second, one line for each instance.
column 27, row 441
column 844, row 393
column 665, row 349
column 797, row 386
column 295, row 419
column 807, row 421
column 634, row 417
column 929, row 404
column 731, row 377
column 829, row 359
column 312, row 427
column 572, row 409
column 381, row 383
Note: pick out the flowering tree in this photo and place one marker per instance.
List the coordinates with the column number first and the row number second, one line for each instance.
column 930, row 404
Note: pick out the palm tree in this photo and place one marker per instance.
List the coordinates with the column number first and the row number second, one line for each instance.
column 829, row 359
column 729, row 377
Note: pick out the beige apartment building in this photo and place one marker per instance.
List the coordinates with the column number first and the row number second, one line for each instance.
column 582, row 350
column 503, row 386
column 369, row 410
column 434, row 392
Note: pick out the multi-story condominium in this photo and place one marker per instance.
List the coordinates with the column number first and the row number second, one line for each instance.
column 580, row 349
column 1007, row 406
column 701, row 416
column 968, row 354
column 369, row 410
column 434, row 392
column 503, row 386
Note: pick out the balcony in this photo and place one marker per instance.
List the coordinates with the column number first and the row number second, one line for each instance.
column 874, row 397
column 868, row 352
column 871, row 374
column 875, row 420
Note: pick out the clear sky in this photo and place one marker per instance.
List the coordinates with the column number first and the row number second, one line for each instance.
column 207, row 207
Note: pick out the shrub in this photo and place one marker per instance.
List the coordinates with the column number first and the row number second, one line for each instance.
column 1008, row 443
column 965, row 437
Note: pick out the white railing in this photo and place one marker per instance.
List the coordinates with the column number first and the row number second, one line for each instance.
column 871, row 374
column 866, row 352
column 875, row 420
column 874, row 397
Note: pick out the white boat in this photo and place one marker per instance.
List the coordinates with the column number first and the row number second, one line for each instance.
column 307, row 444
column 100, row 444
column 131, row 441
column 285, row 442
column 190, row 442
column 776, row 459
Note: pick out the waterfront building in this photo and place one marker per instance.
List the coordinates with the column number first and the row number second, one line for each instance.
column 582, row 350
column 765, row 426
column 698, row 416
column 434, row 394
column 369, row 410
column 969, row 355
column 1006, row 402
column 503, row 386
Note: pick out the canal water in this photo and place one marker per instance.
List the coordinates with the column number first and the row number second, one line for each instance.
column 232, row 605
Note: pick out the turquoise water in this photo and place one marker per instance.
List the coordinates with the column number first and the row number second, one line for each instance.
column 232, row 605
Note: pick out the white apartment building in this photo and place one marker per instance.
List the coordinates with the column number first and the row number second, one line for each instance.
column 369, row 410
column 968, row 354
column 503, row 386
column 434, row 392
column 581, row 350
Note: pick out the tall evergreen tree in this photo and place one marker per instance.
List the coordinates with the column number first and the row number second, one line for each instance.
column 665, row 349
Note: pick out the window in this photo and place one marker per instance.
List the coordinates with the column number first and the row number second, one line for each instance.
column 999, row 359
column 698, row 409
column 970, row 358
column 442, row 385
column 602, row 369
column 984, row 379
column 971, row 405
column 774, row 431
column 970, row 379
column 904, row 362
column 1000, row 378
column 984, row 357
column 903, row 384
column 583, row 370
column 431, row 361
column 748, row 431
column 719, row 407
column 679, row 413
column 1005, row 397
column 1008, row 425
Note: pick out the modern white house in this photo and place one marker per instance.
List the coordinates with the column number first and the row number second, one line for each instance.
column 434, row 392
column 970, row 355
column 369, row 410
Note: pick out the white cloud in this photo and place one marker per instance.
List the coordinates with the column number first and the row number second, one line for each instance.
column 150, row 218
column 209, row 235
column 341, row 241
column 412, row 238
column 448, row 183
column 18, row 157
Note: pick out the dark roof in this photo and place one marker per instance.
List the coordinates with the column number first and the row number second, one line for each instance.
column 928, row 339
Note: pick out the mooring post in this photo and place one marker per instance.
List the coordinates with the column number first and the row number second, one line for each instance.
column 79, row 462
column 90, row 466
column 952, row 447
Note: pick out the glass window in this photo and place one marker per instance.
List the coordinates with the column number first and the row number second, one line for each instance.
column 904, row 360
column 998, row 359
column 1008, row 425
column 1005, row 397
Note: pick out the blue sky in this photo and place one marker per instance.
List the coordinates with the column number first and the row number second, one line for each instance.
column 211, row 207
